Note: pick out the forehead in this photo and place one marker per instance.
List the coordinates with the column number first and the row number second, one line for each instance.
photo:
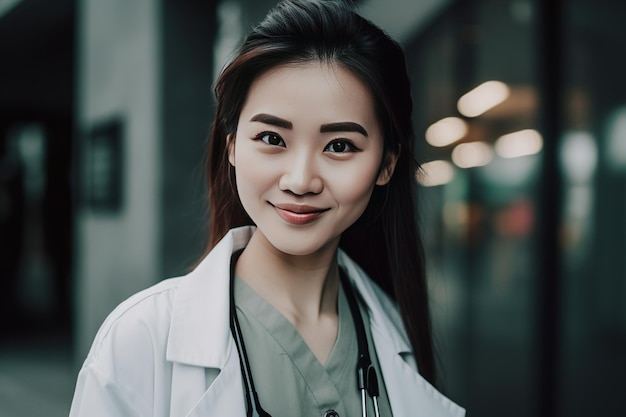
column 315, row 90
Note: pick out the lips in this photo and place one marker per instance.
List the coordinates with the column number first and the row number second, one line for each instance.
column 298, row 214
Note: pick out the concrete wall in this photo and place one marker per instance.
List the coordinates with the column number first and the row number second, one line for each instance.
column 118, row 75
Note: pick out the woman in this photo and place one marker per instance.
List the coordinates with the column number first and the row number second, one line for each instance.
column 314, row 266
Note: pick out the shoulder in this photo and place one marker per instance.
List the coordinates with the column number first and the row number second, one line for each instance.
column 149, row 307
column 127, row 356
column 135, row 330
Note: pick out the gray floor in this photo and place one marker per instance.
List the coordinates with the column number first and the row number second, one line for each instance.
column 37, row 377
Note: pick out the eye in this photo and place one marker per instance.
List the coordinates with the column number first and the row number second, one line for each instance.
column 340, row 146
column 270, row 138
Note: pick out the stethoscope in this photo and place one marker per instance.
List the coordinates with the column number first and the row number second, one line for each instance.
column 367, row 380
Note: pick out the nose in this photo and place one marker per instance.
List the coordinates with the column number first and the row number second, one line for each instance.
column 301, row 175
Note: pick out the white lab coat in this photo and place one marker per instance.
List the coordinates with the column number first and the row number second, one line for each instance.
column 168, row 350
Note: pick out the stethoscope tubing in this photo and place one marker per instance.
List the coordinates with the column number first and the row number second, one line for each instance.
column 253, row 405
column 367, row 379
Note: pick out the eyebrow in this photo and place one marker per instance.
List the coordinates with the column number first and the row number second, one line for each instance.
column 325, row 128
column 343, row 127
column 272, row 120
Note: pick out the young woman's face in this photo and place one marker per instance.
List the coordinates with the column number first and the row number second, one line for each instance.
column 307, row 155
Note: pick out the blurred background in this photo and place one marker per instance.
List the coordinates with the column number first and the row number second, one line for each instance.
column 520, row 115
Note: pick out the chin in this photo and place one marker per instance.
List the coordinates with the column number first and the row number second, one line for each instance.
column 302, row 247
column 298, row 250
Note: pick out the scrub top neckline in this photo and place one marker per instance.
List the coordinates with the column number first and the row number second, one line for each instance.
column 323, row 381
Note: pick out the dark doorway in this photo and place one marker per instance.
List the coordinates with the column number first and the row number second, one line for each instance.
column 36, row 141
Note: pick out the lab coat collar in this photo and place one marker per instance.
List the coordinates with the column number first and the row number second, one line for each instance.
column 200, row 328
column 384, row 316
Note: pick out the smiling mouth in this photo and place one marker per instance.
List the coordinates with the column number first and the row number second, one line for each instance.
column 298, row 214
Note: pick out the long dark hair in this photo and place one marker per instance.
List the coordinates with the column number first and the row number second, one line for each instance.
column 384, row 241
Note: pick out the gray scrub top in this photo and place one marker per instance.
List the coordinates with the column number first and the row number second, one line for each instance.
column 289, row 379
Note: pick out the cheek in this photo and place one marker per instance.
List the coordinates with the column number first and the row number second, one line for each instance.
column 254, row 175
column 246, row 171
column 355, row 188
column 359, row 196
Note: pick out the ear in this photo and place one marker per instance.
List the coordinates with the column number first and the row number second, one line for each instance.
column 230, row 146
column 389, row 165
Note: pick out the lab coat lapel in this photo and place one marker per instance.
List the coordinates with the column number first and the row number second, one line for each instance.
column 206, row 376
column 409, row 393
column 200, row 327
column 224, row 397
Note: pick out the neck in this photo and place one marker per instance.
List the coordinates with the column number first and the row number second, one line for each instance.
column 303, row 288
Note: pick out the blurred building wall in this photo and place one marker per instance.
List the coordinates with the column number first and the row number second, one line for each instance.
column 144, row 109
column 117, row 248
